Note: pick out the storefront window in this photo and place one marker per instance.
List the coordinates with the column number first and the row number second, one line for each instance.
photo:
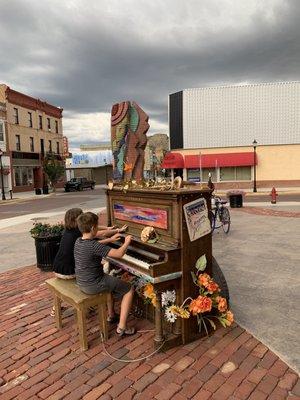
column 243, row 173
column 235, row 174
column 23, row 176
column 194, row 174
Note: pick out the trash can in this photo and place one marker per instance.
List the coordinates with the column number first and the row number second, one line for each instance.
column 236, row 200
column 38, row 191
column 45, row 190
column 46, row 250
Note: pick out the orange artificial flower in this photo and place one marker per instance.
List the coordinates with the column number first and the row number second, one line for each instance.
column 204, row 279
column 222, row 304
column 229, row 318
column 200, row 305
column 148, row 290
column 212, row 287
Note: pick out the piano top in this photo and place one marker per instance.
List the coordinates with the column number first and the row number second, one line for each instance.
column 148, row 190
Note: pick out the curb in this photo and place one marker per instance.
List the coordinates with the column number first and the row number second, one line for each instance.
column 20, row 200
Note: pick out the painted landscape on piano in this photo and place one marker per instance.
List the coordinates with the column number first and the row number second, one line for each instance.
column 155, row 217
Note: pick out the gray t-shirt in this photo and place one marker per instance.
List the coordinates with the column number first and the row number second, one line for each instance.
column 88, row 254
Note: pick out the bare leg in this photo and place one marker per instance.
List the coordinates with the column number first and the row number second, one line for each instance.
column 125, row 308
column 110, row 305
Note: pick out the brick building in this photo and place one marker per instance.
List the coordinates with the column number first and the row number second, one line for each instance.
column 32, row 128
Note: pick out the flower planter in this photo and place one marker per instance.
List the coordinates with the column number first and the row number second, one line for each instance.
column 46, row 250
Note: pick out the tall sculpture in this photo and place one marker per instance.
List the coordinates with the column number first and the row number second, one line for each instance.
column 129, row 125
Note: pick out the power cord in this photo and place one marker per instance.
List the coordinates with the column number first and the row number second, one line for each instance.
column 136, row 359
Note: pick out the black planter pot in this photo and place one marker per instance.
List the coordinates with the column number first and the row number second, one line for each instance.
column 46, row 250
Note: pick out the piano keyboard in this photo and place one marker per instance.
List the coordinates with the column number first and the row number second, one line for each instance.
column 136, row 261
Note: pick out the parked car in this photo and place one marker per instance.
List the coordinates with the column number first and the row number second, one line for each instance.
column 79, row 184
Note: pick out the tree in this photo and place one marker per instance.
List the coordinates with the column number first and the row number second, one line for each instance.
column 53, row 169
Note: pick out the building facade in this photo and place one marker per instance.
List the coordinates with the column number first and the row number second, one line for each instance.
column 94, row 163
column 213, row 130
column 33, row 128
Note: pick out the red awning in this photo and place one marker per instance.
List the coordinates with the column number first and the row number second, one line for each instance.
column 219, row 160
column 173, row 160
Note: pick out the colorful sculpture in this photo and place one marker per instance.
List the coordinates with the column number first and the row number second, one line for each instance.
column 129, row 125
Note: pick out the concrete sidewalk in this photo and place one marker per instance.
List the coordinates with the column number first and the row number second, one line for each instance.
column 39, row 362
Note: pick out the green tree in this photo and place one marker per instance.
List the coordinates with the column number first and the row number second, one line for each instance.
column 53, row 169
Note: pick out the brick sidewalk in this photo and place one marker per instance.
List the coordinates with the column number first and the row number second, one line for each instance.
column 268, row 212
column 39, row 362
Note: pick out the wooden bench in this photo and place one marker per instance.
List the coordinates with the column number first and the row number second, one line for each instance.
column 69, row 292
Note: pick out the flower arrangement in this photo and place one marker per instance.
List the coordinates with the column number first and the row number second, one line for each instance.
column 41, row 230
column 209, row 304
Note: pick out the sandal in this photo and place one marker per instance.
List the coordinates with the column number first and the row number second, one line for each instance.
column 114, row 319
column 125, row 332
column 52, row 314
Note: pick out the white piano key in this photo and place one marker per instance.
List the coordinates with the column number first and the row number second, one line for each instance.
column 136, row 261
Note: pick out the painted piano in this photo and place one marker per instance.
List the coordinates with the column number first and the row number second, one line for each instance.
column 168, row 263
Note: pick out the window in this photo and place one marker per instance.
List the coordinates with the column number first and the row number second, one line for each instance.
column 194, row 174
column 23, row 176
column 57, row 147
column 31, row 144
column 48, row 124
column 235, row 174
column 18, row 143
column 30, row 119
column 1, row 132
column 40, row 122
column 16, row 115
column 42, row 147
column 56, row 126
column 50, row 146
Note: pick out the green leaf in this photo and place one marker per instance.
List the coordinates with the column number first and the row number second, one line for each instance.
column 201, row 263
column 194, row 277
column 213, row 325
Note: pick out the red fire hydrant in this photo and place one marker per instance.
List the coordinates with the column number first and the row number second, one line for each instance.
column 273, row 195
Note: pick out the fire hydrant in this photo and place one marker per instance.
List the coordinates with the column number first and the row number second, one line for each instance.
column 273, row 195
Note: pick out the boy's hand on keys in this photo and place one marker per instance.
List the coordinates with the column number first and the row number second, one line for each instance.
column 115, row 237
column 128, row 239
column 123, row 229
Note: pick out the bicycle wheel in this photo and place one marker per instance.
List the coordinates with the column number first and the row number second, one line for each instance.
column 212, row 220
column 225, row 218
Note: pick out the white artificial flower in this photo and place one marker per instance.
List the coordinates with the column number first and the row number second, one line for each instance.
column 170, row 316
column 168, row 297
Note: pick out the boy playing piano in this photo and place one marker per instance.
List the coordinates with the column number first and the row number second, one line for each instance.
column 90, row 277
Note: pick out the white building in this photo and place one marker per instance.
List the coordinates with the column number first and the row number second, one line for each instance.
column 212, row 130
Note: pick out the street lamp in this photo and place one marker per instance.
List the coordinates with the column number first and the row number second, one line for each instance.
column 254, row 143
column 2, row 181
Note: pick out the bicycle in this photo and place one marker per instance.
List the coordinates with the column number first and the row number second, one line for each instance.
column 220, row 216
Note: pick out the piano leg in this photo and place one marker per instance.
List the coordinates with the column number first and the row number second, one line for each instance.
column 177, row 324
column 158, row 338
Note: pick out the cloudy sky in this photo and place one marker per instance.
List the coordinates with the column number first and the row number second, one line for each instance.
column 86, row 55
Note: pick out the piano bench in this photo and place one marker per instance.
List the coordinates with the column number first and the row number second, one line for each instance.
column 69, row 292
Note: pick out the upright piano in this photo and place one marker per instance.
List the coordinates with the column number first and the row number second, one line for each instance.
column 168, row 263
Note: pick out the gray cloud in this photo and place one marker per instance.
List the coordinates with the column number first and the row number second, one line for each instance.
column 84, row 56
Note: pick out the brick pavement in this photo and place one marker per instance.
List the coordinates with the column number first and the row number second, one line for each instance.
column 268, row 212
column 39, row 362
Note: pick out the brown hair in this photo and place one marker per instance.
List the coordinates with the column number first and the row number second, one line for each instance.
column 87, row 221
column 71, row 217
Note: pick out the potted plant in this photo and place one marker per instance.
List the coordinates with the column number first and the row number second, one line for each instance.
column 47, row 239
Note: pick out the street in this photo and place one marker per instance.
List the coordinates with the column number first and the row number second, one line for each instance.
column 16, row 244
